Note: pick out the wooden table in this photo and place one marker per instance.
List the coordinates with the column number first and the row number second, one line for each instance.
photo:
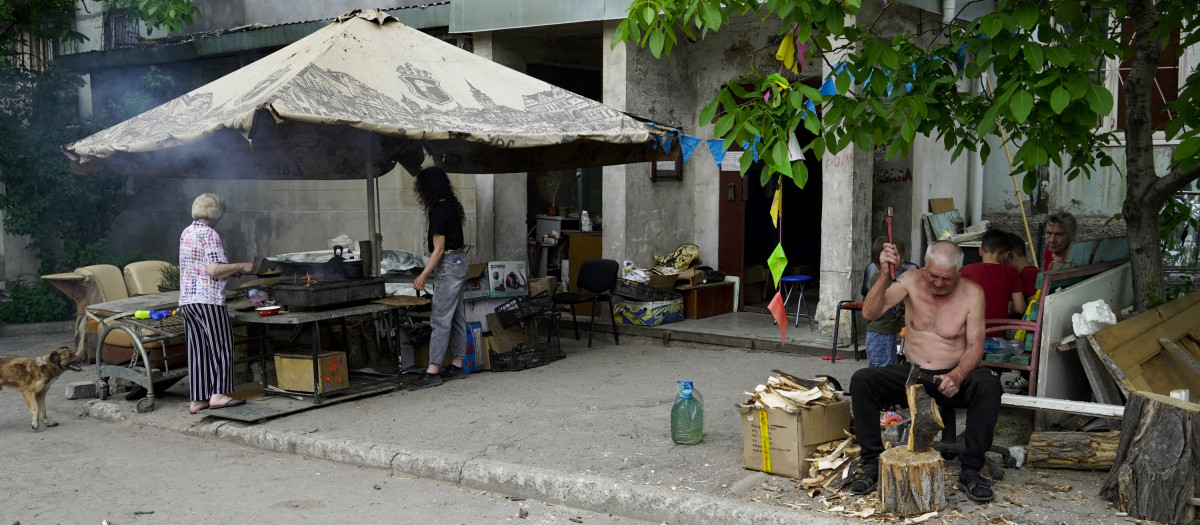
column 707, row 300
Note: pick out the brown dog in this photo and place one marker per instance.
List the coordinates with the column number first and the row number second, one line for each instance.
column 33, row 375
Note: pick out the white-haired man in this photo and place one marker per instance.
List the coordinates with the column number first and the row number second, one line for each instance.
column 943, row 336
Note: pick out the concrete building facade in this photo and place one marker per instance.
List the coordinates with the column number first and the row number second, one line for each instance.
column 832, row 221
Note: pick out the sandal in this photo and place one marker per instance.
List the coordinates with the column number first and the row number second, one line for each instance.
column 975, row 487
column 866, row 481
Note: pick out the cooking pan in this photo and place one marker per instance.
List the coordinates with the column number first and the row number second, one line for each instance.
column 337, row 268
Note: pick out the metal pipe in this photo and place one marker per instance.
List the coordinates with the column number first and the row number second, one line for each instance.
column 948, row 7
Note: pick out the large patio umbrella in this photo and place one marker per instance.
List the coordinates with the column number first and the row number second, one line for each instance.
column 349, row 100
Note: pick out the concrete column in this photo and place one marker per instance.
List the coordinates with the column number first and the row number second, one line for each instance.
column 501, row 200
column 846, row 184
column 845, row 231
column 614, row 94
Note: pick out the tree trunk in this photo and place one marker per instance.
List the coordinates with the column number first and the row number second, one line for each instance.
column 1143, row 199
column 911, row 483
column 1157, row 469
column 1075, row 450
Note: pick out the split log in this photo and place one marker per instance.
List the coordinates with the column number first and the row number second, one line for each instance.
column 925, row 417
column 1074, row 450
column 911, row 483
column 1157, row 469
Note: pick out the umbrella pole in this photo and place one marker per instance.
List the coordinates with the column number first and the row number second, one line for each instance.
column 375, row 250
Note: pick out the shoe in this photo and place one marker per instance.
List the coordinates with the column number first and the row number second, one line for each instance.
column 975, row 487
column 1020, row 384
column 413, row 370
column 452, row 372
column 427, row 380
column 231, row 403
column 866, row 481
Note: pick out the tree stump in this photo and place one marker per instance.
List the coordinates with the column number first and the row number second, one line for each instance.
column 1155, row 474
column 1076, row 450
column 911, row 483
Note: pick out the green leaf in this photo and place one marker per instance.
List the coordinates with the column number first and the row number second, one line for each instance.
column 908, row 130
column 842, row 83
column 649, row 14
column 1033, row 55
column 1058, row 56
column 1029, row 183
column 1027, row 15
column 712, row 17
column 620, row 34
column 1059, row 99
column 656, row 43
column 1100, row 100
column 780, row 160
column 799, row 173
column 1187, row 149
column 809, row 92
column 706, row 114
column 1037, row 156
column 1020, row 105
column 992, row 25
column 724, row 124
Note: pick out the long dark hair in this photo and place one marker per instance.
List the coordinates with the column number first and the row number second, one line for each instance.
column 433, row 186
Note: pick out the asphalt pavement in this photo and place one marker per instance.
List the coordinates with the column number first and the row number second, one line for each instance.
column 590, row 431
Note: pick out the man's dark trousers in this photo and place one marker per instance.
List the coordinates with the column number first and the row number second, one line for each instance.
column 873, row 389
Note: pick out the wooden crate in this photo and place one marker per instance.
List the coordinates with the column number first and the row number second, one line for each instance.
column 295, row 372
column 707, row 300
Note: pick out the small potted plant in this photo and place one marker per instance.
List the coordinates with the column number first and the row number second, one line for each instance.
column 552, row 183
column 168, row 277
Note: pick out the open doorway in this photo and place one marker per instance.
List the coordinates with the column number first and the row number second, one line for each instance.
column 748, row 237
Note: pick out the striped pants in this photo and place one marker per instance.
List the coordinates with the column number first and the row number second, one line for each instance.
column 209, row 350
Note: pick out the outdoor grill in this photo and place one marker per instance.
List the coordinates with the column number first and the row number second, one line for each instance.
column 303, row 293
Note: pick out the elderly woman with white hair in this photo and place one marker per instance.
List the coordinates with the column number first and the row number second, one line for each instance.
column 203, row 270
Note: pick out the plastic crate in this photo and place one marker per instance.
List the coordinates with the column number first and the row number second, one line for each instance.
column 542, row 330
column 644, row 292
column 519, row 309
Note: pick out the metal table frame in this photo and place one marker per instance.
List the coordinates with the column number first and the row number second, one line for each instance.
column 119, row 315
column 312, row 321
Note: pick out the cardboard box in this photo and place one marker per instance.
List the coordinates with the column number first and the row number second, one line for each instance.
column 689, row 278
column 476, row 286
column 476, row 311
column 507, row 279
column 777, row 442
column 754, row 273
column 666, row 282
column 543, row 284
column 295, row 372
column 505, row 339
column 752, row 293
column 651, row 313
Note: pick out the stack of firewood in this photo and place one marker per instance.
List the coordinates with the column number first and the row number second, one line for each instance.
column 790, row 393
column 832, row 465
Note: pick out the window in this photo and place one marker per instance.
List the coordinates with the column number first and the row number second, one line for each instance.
column 1166, row 83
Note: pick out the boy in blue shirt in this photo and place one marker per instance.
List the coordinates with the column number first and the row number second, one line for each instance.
column 883, row 332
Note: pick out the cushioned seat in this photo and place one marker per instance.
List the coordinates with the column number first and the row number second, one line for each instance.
column 143, row 277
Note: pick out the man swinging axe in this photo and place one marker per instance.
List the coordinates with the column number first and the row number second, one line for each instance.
column 944, row 338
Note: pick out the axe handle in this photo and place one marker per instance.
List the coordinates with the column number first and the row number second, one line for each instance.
column 891, row 267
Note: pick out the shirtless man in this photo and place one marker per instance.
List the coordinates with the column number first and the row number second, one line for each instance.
column 944, row 336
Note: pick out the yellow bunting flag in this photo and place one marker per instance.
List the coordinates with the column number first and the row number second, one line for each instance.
column 787, row 53
column 777, row 205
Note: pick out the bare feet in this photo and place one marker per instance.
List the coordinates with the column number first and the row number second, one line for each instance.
column 196, row 406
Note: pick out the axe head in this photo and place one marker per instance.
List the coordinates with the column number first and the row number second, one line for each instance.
column 916, row 375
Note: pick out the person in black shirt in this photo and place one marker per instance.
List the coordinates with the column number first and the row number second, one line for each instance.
column 448, row 267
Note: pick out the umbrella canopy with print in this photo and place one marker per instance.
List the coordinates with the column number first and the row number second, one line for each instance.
column 352, row 98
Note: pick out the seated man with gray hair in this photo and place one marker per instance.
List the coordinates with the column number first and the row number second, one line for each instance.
column 944, row 337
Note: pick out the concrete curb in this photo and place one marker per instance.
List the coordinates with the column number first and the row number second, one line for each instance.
column 54, row 327
column 580, row 491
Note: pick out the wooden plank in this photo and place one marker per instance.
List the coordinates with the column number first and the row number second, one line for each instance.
column 1080, row 253
column 1115, row 371
column 1103, row 387
column 1130, row 329
column 1062, row 405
